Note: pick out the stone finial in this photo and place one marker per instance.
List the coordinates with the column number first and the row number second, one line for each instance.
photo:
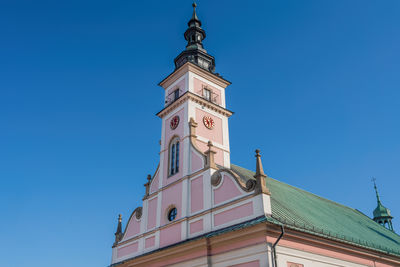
column 210, row 156
column 260, row 176
column 147, row 185
column 118, row 234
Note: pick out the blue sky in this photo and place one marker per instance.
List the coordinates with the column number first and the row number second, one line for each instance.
column 315, row 86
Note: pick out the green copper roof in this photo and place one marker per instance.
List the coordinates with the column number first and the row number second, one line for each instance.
column 307, row 212
column 381, row 212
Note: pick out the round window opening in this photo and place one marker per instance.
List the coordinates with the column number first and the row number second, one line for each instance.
column 172, row 214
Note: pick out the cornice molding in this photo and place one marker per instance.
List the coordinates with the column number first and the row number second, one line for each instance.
column 188, row 66
column 197, row 99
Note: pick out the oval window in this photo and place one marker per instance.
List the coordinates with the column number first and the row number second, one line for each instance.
column 172, row 214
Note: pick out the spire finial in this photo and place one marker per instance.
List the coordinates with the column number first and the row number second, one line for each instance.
column 118, row 233
column 260, row 176
column 376, row 190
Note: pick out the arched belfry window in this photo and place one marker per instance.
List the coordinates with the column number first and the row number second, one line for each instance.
column 174, row 156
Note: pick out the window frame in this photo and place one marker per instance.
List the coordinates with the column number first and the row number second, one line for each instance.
column 173, row 156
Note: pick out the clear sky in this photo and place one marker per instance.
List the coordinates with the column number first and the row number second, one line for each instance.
column 315, row 86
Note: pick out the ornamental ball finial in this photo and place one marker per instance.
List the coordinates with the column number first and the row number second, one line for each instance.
column 258, row 152
column 194, row 5
column 119, row 218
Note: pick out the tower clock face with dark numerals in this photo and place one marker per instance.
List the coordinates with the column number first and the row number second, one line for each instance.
column 174, row 122
column 208, row 122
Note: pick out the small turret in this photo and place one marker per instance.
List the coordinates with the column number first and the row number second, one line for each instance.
column 382, row 214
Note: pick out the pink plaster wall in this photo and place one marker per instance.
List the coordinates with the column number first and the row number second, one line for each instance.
column 197, row 162
column 215, row 134
column 247, row 264
column 333, row 253
column 171, row 196
column 122, row 252
column 198, row 89
column 150, row 242
column 227, row 190
column 155, row 183
column 181, row 85
column 196, row 226
column 170, row 235
column 152, row 213
column 233, row 214
column 169, row 133
column 196, row 194
column 218, row 157
column 133, row 227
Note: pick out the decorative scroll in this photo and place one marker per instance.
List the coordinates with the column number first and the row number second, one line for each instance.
column 247, row 186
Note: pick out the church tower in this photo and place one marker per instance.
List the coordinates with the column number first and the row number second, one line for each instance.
column 194, row 190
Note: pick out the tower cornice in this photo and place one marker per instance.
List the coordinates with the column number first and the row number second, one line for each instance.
column 197, row 99
column 188, row 66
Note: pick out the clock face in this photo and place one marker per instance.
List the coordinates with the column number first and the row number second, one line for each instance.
column 208, row 122
column 174, row 122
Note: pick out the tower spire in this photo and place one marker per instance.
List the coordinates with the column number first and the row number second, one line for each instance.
column 376, row 191
column 195, row 52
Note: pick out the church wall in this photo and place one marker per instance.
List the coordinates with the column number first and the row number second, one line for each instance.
column 198, row 89
column 155, row 183
column 181, row 84
column 171, row 197
column 196, row 226
column 233, row 214
column 226, row 190
column 196, row 194
column 197, row 163
column 133, row 228
column 218, row 157
column 170, row 235
column 318, row 257
column 215, row 134
column 168, row 135
column 152, row 213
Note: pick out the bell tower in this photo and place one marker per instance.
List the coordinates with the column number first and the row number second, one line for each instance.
column 194, row 117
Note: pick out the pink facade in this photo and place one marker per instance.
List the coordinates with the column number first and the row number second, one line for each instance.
column 227, row 190
column 218, row 157
column 215, row 134
column 129, row 249
column 196, row 194
column 196, row 226
column 133, row 228
column 169, row 135
column 247, row 264
column 233, row 214
column 150, row 242
column 170, row 235
column 171, row 197
column 155, row 183
column 180, row 85
column 152, row 213
column 197, row 162
column 198, row 89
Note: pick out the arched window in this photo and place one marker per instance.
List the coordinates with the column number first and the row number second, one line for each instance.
column 174, row 156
